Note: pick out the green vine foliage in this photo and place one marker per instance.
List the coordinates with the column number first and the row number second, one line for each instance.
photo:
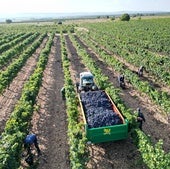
column 76, row 135
column 19, row 122
column 153, row 155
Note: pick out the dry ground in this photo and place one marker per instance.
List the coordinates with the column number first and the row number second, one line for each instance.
column 49, row 122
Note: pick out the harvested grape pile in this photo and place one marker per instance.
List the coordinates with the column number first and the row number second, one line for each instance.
column 99, row 110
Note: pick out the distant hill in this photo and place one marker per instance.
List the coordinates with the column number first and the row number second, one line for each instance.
column 48, row 16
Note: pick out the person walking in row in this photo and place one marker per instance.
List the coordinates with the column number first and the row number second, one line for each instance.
column 140, row 118
column 140, row 71
column 121, row 81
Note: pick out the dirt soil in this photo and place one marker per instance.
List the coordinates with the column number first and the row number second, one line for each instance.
column 112, row 155
column 49, row 122
column 11, row 95
column 156, row 125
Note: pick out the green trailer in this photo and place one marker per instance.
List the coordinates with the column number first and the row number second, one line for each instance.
column 104, row 133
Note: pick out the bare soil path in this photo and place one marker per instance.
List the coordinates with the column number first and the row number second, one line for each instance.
column 112, row 155
column 156, row 125
column 154, row 82
column 49, row 122
column 12, row 94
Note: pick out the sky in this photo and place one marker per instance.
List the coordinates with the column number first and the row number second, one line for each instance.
column 71, row 6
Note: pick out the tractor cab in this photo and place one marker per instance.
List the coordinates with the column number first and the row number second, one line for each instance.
column 86, row 82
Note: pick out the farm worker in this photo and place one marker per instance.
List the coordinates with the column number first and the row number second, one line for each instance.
column 121, row 78
column 140, row 118
column 121, row 81
column 63, row 93
column 30, row 140
column 140, row 71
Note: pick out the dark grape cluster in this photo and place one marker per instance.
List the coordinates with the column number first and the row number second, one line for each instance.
column 98, row 109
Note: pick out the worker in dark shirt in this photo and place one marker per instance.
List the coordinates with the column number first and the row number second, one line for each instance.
column 140, row 118
column 30, row 140
column 121, row 81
